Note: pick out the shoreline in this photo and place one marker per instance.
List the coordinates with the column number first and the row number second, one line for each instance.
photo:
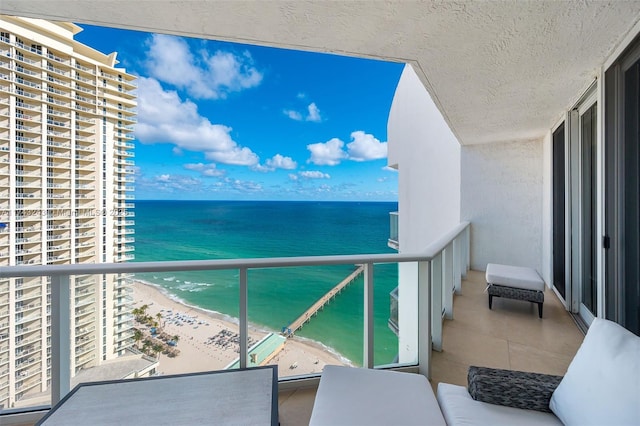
column 209, row 341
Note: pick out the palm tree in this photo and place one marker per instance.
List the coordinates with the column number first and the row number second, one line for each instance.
column 157, row 348
column 137, row 336
column 145, row 346
column 176, row 338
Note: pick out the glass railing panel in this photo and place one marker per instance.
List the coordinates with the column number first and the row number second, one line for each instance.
column 192, row 314
column 188, row 321
column 393, row 227
column 306, row 317
column 385, row 341
column 23, row 343
column 393, row 311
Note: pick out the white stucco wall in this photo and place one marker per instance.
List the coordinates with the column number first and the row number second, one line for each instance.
column 427, row 156
column 502, row 197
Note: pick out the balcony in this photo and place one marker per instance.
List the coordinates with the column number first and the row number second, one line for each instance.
column 509, row 336
column 85, row 315
column 393, row 311
column 394, row 241
column 85, row 68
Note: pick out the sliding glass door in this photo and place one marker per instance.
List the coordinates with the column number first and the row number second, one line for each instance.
column 583, row 148
column 622, row 190
column 559, row 218
column 588, row 295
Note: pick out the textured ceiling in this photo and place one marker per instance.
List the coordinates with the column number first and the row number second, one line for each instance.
column 498, row 70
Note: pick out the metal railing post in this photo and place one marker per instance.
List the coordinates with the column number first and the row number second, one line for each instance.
column 467, row 249
column 449, row 272
column 458, row 263
column 436, row 302
column 244, row 318
column 60, row 337
column 367, row 360
column 424, row 318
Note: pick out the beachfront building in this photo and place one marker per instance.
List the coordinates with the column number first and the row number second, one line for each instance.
column 66, row 117
column 520, row 118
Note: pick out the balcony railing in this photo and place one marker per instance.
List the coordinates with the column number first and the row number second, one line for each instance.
column 393, row 311
column 440, row 268
column 394, row 241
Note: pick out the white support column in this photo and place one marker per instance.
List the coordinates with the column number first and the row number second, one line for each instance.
column 60, row 337
column 449, row 272
column 424, row 319
column 459, row 269
column 436, row 302
column 367, row 360
column 244, row 318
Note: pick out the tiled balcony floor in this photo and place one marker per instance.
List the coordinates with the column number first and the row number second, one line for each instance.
column 509, row 336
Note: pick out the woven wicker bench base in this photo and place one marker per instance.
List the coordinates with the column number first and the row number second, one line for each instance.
column 533, row 296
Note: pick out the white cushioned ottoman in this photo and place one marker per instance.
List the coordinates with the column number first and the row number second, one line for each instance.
column 360, row 396
column 515, row 282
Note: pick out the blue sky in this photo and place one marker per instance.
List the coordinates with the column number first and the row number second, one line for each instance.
column 225, row 121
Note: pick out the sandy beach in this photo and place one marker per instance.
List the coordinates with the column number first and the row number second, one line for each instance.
column 208, row 341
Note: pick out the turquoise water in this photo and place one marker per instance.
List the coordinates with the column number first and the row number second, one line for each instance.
column 195, row 230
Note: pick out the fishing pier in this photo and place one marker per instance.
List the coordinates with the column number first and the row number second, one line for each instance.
column 320, row 303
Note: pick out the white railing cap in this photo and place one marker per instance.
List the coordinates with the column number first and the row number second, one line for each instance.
column 219, row 264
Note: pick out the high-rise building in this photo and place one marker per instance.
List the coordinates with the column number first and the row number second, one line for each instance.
column 66, row 172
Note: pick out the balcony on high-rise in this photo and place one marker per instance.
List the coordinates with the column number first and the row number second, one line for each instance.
column 393, row 241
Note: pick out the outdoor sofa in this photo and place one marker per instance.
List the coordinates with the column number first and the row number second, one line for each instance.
column 601, row 387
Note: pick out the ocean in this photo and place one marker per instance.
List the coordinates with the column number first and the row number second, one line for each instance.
column 196, row 230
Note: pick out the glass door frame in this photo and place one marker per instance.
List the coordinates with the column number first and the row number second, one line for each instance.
column 561, row 263
column 576, row 209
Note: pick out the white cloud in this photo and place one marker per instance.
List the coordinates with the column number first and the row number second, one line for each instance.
column 261, row 168
column 366, row 147
column 201, row 74
column 243, row 186
column 293, row 177
column 236, row 156
column 170, row 60
column 209, row 170
column 280, row 162
column 363, row 147
column 314, row 113
column 294, row 115
column 163, row 117
column 314, row 174
column 172, row 183
column 328, row 153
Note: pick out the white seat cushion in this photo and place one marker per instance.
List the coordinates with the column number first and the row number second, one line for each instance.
column 514, row 276
column 602, row 383
column 459, row 409
column 359, row 396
